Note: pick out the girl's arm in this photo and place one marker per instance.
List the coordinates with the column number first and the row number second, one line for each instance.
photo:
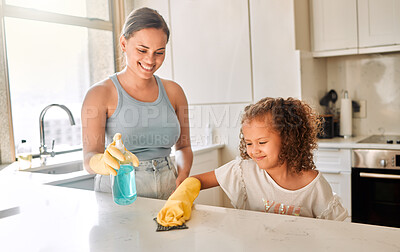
column 207, row 180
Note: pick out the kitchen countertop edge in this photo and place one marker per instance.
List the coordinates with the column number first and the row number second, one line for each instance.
column 352, row 143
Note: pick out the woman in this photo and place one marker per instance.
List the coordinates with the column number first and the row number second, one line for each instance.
column 149, row 112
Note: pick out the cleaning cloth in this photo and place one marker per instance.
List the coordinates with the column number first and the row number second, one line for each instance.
column 178, row 207
column 162, row 228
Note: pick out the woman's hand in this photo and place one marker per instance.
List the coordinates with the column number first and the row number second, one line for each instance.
column 181, row 177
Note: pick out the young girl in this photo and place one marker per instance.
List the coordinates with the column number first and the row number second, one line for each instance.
column 276, row 172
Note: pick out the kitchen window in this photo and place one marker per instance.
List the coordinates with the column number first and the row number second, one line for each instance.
column 54, row 51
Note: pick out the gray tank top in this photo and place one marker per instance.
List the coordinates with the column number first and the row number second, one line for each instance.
column 149, row 129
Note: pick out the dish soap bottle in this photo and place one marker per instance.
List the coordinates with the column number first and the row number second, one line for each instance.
column 123, row 184
column 24, row 155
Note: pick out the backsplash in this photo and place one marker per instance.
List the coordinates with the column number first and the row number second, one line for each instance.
column 374, row 78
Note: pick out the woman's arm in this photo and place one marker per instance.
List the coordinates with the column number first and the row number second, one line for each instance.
column 183, row 149
column 93, row 117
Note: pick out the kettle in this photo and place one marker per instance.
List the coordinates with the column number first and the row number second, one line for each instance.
column 331, row 96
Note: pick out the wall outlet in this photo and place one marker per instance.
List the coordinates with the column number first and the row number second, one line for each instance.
column 363, row 109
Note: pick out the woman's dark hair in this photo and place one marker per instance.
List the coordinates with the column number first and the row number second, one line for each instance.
column 143, row 18
column 296, row 123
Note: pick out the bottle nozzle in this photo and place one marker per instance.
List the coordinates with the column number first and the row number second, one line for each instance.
column 117, row 136
column 118, row 142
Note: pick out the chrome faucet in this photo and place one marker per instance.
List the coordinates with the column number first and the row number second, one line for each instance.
column 43, row 148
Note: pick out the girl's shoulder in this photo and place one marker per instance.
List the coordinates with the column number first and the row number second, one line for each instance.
column 323, row 184
column 238, row 168
column 243, row 163
column 309, row 176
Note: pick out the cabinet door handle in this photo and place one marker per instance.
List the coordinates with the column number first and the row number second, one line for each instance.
column 379, row 175
column 330, row 149
column 330, row 172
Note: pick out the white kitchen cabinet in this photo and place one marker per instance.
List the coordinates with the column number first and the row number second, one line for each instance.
column 211, row 50
column 334, row 27
column 379, row 24
column 335, row 166
column 342, row 27
column 275, row 60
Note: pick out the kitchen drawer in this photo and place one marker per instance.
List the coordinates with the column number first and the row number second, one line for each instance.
column 333, row 160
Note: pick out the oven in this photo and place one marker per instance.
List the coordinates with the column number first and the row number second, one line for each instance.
column 375, row 186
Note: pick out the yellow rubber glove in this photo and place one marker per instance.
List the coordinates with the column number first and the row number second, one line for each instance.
column 107, row 163
column 178, row 207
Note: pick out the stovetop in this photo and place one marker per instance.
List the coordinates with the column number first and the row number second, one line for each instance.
column 381, row 139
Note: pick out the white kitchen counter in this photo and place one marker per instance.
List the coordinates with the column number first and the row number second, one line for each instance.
column 49, row 218
column 351, row 143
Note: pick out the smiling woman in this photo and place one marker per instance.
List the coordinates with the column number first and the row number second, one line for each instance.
column 150, row 113
column 55, row 50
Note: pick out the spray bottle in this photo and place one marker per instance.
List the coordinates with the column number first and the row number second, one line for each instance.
column 123, row 184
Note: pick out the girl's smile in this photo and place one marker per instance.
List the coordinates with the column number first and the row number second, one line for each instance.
column 263, row 144
column 259, row 158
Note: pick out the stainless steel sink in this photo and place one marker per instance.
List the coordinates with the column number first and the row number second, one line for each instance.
column 58, row 168
column 70, row 173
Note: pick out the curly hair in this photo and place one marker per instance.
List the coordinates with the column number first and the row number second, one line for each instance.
column 297, row 124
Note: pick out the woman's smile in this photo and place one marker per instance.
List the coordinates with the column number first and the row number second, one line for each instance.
column 147, row 68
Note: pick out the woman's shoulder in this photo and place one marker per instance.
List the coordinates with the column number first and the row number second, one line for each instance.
column 175, row 93
column 171, row 86
column 102, row 88
column 100, row 91
column 105, row 85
